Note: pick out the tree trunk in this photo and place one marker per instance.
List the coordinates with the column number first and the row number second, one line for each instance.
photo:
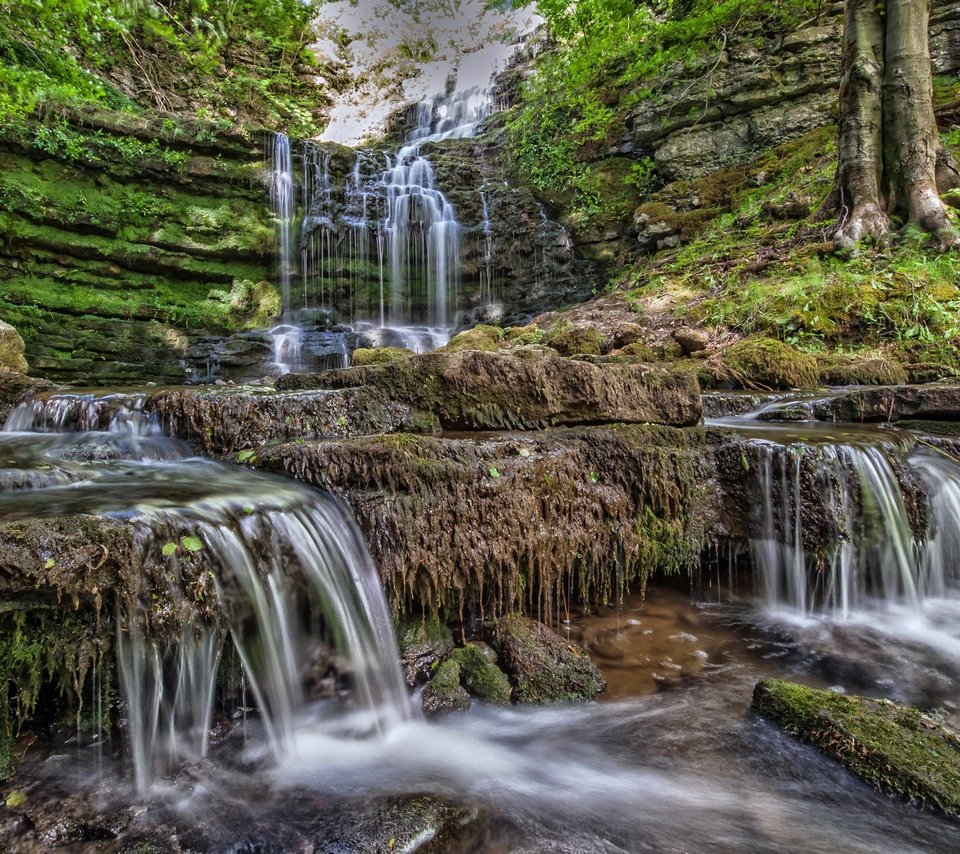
column 860, row 166
column 891, row 163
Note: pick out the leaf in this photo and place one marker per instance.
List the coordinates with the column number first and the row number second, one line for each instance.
column 49, row 563
column 524, row 452
column 248, row 508
column 594, row 477
column 247, row 456
column 494, row 472
column 191, row 544
column 168, row 549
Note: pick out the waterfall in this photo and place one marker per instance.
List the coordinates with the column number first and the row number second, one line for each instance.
column 379, row 246
column 835, row 535
column 233, row 561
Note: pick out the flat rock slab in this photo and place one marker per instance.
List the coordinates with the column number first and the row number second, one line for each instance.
column 896, row 748
column 525, row 388
column 935, row 401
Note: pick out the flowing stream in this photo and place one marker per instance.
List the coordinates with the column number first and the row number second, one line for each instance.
column 671, row 760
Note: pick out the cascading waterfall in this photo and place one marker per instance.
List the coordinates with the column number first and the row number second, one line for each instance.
column 249, row 561
column 386, row 259
column 835, row 535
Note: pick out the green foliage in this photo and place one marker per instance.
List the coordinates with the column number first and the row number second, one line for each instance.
column 607, row 57
column 216, row 59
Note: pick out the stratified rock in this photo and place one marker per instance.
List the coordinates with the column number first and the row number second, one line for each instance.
column 543, row 667
column 443, row 692
column 860, row 370
column 898, row 749
column 522, row 388
column 480, row 674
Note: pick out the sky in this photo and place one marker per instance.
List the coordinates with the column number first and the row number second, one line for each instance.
column 393, row 58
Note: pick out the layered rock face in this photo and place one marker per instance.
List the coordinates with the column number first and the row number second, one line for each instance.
column 123, row 238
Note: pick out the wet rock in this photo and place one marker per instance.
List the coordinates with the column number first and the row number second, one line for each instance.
column 543, row 667
column 932, row 401
column 522, row 388
column 692, row 340
column 897, row 749
column 480, row 674
column 443, row 693
column 860, row 370
column 423, row 642
column 11, row 350
column 14, row 387
column 766, row 363
column 222, row 423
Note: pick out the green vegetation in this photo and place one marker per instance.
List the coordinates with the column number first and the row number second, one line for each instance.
column 237, row 61
column 766, row 363
column 895, row 748
column 609, row 55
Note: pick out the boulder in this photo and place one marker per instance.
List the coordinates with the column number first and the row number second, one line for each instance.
column 897, row 749
column 480, row 675
column 523, row 388
column 766, row 363
column 443, row 693
column 11, row 350
column 423, row 643
column 543, row 667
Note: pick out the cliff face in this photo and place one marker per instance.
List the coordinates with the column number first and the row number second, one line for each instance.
column 122, row 240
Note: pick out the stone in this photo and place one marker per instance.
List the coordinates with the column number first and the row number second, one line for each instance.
column 15, row 387
column 443, row 693
column 931, row 401
column 423, row 642
column 543, row 667
column 522, row 388
column 860, row 370
column 692, row 340
column 11, row 350
column 480, row 674
column 895, row 748
column 766, row 363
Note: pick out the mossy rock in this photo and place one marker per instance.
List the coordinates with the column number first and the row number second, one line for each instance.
column 767, row 363
column 543, row 667
column 443, row 693
column 860, row 370
column 637, row 350
column 480, row 674
column 481, row 337
column 930, row 372
column 524, row 335
column 896, row 748
column 378, row 355
column 570, row 340
column 423, row 642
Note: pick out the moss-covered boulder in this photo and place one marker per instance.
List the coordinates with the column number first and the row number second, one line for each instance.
column 570, row 340
column 443, row 693
column 860, row 370
column 898, row 749
column 378, row 355
column 521, row 388
column 423, row 642
column 767, row 363
column 543, row 667
column 481, row 337
column 480, row 674
column 11, row 350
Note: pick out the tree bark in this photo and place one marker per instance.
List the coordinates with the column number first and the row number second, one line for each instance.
column 891, row 163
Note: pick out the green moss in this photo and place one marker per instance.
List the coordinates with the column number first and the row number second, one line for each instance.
column 480, row 674
column 524, row 335
column 860, row 370
column 378, row 355
column 570, row 340
column 896, row 748
column 443, row 692
column 765, row 363
column 481, row 337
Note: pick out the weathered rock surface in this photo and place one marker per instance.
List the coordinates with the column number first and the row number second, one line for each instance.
column 424, row 642
column 898, row 749
column 522, row 388
column 543, row 667
column 934, row 401
column 443, row 693
column 452, row 523
column 14, row 387
column 11, row 350
column 480, row 674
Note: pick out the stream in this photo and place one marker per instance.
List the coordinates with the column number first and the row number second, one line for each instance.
column 671, row 759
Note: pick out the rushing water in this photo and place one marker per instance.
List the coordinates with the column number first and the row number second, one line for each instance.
column 671, row 761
